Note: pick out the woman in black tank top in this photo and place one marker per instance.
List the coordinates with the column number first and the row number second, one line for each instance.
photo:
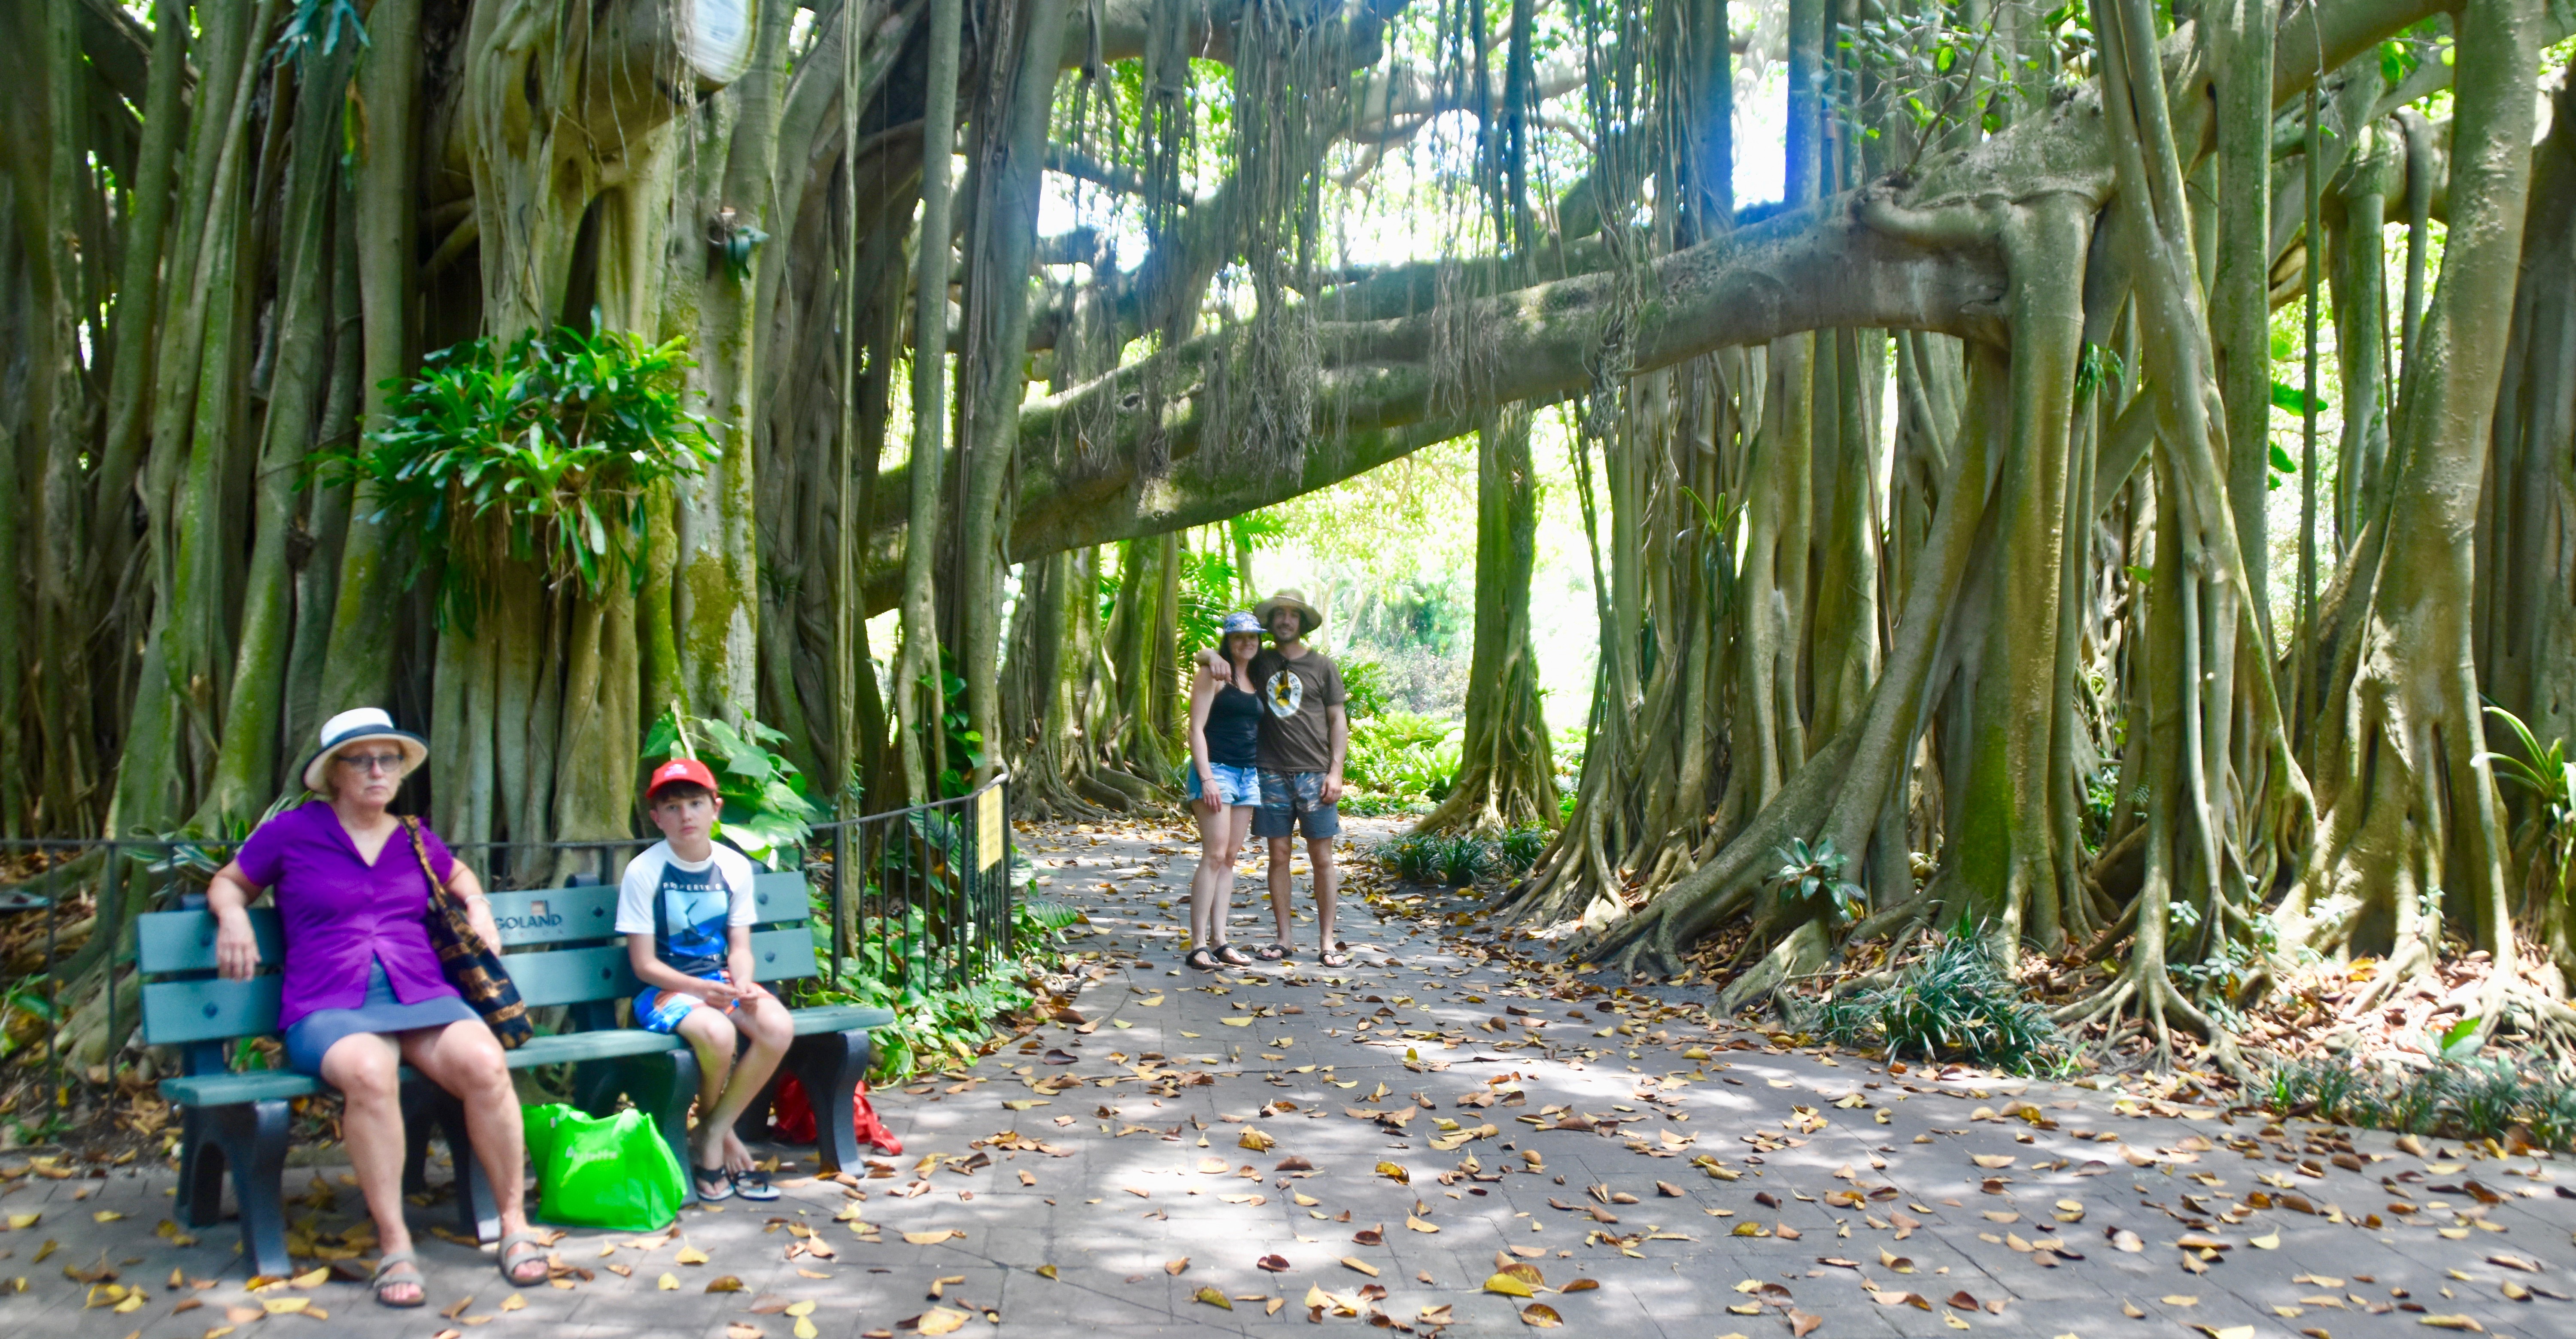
column 1224, row 784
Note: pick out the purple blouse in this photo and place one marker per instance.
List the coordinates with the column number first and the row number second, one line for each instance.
column 338, row 911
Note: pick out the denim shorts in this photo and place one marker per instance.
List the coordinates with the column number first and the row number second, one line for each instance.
column 1234, row 785
column 1290, row 800
column 659, row 1010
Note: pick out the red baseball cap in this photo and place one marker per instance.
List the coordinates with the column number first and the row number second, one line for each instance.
column 679, row 769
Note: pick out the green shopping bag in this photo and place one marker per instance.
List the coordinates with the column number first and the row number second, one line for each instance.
column 611, row 1172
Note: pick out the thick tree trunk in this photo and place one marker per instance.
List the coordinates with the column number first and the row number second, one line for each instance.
column 1505, row 776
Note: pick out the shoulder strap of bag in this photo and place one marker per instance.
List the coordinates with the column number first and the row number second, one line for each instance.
column 420, row 851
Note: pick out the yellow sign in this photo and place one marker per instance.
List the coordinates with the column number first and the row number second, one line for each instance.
column 988, row 828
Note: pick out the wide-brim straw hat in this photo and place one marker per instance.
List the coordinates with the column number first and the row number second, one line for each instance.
column 1307, row 619
column 357, row 727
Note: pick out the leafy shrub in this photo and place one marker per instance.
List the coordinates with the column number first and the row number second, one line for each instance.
column 2454, row 1097
column 1817, row 872
column 1463, row 860
column 543, row 451
column 1521, row 847
column 1364, row 691
column 1953, row 1004
column 1403, row 756
column 1415, row 856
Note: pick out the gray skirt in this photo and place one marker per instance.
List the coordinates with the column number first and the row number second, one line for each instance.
column 316, row 1033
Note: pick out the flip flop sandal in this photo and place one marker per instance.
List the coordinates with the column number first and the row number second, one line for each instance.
column 753, row 1185
column 1200, row 959
column 1228, row 953
column 1333, row 958
column 711, row 1183
column 529, row 1247
column 396, row 1269
column 1271, row 952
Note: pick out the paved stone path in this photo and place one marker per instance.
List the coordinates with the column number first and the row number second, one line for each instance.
column 1383, row 1141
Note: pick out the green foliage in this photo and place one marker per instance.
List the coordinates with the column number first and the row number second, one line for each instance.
column 2550, row 778
column 1521, row 847
column 1415, row 856
column 2454, row 1096
column 1208, row 594
column 937, row 1024
column 766, row 805
column 1364, row 689
column 1953, row 1004
column 1460, row 860
column 1402, row 757
column 1816, row 872
column 542, row 452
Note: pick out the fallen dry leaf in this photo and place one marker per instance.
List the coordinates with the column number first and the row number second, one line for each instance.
column 932, row 1238
column 941, row 1320
column 1214, row 1298
column 1395, row 1172
column 1803, row 1323
column 1362, row 1266
column 1540, row 1315
column 1276, row 1264
column 1174, row 1267
column 724, row 1283
column 1508, row 1286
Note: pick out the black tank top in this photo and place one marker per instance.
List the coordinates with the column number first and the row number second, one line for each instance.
column 1233, row 727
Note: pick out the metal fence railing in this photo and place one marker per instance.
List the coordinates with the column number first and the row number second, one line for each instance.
column 920, row 897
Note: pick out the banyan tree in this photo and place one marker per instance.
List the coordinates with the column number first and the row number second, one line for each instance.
column 1931, row 507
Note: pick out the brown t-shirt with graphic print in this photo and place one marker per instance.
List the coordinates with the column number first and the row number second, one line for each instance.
column 1296, row 733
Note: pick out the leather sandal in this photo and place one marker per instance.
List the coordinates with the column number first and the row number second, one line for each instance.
column 1232, row 956
column 1272, row 953
column 1333, row 958
column 530, row 1249
column 393, row 1271
column 1200, row 959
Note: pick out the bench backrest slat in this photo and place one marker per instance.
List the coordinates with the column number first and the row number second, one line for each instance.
column 554, row 915
column 209, row 1009
column 572, row 975
column 781, row 898
column 784, row 954
column 184, row 941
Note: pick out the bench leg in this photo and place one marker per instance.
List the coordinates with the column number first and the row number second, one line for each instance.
column 830, row 1065
column 249, row 1138
column 661, row 1086
column 427, row 1109
column 200, row 1202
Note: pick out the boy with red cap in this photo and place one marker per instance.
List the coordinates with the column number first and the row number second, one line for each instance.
column 686, row 909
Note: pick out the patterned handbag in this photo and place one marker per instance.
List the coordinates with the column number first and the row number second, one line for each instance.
column 470, row 964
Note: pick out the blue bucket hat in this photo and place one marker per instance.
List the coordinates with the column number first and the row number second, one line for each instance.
column 1240, row 621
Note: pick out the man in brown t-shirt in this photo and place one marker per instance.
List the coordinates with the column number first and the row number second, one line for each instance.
column 1304, row 736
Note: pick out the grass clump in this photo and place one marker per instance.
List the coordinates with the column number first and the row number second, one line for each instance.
column 2452, row 1097
column 1953, row 1004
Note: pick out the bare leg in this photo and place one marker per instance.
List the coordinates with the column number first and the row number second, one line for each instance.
column 1281, row 888
column 1214, row 863
column 465, row 1059
column 766, row 1024
column 363, row 1068
column 1327, row 880
column 709, row 1033
column 1238, row 830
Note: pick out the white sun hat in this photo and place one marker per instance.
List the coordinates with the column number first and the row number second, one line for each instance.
column 356, row 727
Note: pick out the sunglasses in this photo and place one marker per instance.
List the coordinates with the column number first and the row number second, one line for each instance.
column 373, row 762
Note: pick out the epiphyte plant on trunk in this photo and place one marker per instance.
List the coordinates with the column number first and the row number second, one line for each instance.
column 543, row 451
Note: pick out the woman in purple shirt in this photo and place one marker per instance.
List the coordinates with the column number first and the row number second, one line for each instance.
column 363, row 993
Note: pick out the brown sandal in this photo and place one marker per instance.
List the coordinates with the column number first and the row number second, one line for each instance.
column 1232, row 956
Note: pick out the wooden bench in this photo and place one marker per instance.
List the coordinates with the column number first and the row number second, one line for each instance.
column 570, row 955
